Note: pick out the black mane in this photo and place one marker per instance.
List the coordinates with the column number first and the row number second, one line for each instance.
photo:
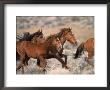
column 28, row 37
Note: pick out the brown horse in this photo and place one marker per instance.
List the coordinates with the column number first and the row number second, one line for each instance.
column 86, row 46
column 30, row 37
column 38, row 39
column 27, row 49
column 64, row 35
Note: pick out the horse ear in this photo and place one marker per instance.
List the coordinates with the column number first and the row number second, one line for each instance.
column 70, row 28
column 41, row 30
column 38, row 30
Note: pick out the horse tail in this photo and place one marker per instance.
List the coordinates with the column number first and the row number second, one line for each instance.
column 79, row 50
column 17, row 56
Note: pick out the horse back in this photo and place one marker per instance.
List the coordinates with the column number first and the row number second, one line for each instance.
column 89, row 46
column 32, row 49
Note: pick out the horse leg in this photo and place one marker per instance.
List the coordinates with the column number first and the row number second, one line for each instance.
column 26, row 60
column 18, row 67
column 21, row 64
column 88, row 59
column 43, row 63
column 57, row 56
column 22, row 69
column 17, row 56
column 65, row 56
column 38, row 62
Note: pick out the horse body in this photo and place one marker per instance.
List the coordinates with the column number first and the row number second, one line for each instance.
column 89, row 47
column 41, row 48
column 31, row 49
column 64, row 35
column 27, row 49
column 29, row 37
column 86, row 46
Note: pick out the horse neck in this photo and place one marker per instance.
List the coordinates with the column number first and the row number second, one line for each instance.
column 32, row 35
column 49, row 46
column 62, row 38
column 47, row 43
column 79, row 50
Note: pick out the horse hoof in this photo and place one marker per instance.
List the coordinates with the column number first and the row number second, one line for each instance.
column 44, row 71
column 66, row 67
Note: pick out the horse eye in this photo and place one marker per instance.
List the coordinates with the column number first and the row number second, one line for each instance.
column 57, row 40
column 72, row 34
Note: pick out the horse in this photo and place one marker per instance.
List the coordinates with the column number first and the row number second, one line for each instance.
column 39, row 39
column 64, row 35
column 86, row 46
column 27, row 49
column 28, row 37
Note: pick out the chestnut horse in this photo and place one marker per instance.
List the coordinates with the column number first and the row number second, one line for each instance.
column 27, row 49
column 86, row 46
column 29, row 37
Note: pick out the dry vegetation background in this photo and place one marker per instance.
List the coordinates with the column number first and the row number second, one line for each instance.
column 82, row 27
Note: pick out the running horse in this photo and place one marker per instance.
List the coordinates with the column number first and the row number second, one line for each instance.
column 64, row 35
column 27, row 49
column 86, row 46
column 29, row 37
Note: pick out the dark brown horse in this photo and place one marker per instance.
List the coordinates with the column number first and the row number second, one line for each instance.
column 28, row 37
column 86, row 46
column 64, row 35
column 27, row 49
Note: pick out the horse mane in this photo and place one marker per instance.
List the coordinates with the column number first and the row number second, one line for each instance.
column 59, row 34
column 79, row 50
column 36, row 33
column 50, row 38
column 28, row 37
column 63, row 30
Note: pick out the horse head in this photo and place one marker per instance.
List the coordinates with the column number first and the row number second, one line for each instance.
column 68, row 35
